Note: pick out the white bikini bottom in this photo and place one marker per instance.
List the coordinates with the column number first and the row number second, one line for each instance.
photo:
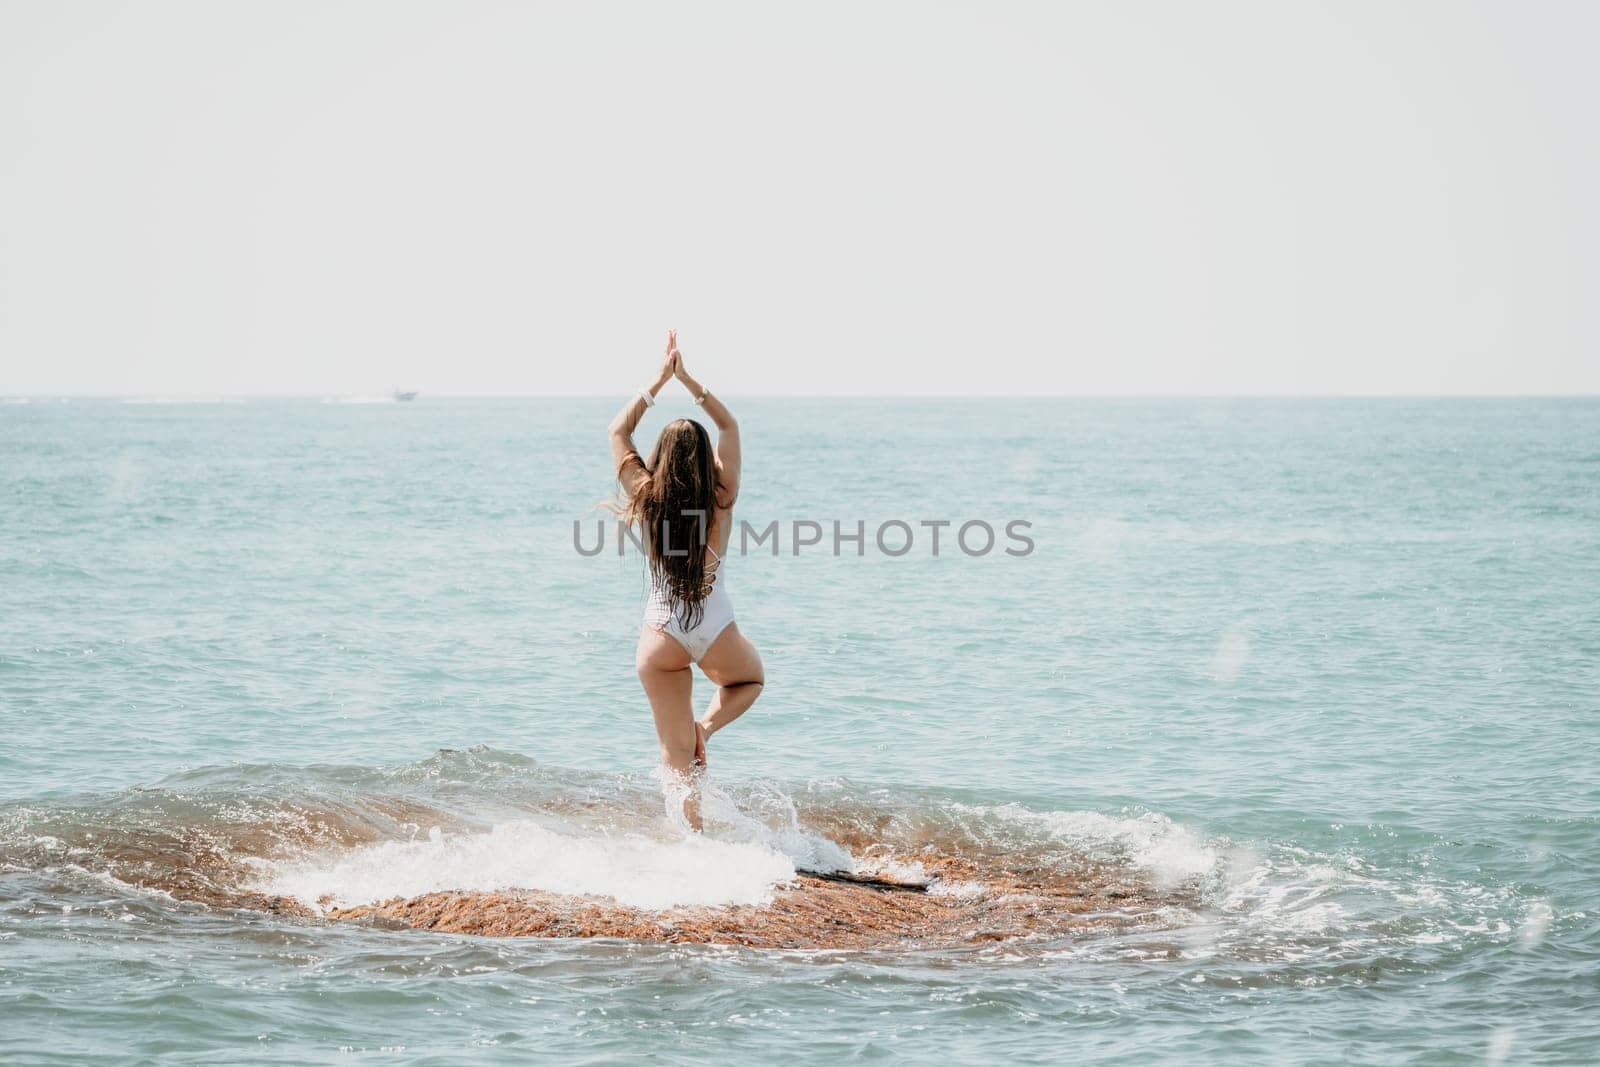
column 717, row 613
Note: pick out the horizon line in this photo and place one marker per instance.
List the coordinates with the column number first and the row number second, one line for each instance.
column 968, row 397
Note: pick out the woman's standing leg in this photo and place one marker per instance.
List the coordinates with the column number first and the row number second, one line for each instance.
column 663, row 666
column 733, row 663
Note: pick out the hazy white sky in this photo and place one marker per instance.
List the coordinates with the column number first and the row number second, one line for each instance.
column 512, row 198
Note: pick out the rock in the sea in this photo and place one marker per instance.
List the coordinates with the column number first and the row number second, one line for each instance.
column 811, row 912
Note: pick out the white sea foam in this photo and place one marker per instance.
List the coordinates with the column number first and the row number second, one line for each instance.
column 893, row 869
column 1231, row 655
column 1535, row 924
column 1171, row 854
column 779, row 830
column 632, row 869
column 1273, row 896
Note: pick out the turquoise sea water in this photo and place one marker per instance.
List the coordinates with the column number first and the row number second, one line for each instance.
column 1325, row 669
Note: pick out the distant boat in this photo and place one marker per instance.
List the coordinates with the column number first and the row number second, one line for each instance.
column 405, row 394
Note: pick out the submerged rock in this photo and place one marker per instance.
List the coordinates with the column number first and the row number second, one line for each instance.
column 961, row 907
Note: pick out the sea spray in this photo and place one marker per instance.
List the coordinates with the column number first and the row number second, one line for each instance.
column 630, row 868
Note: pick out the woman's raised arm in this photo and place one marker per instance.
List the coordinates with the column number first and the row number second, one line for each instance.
column 623, row 452
column 728, row 457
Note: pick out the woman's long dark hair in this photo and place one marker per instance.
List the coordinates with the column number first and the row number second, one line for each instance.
column 674, row 508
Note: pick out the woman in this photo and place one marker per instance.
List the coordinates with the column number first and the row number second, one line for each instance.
column 682, row 501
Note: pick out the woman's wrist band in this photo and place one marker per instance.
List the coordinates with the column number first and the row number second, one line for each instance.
column 649, row 401
column 701, row 399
